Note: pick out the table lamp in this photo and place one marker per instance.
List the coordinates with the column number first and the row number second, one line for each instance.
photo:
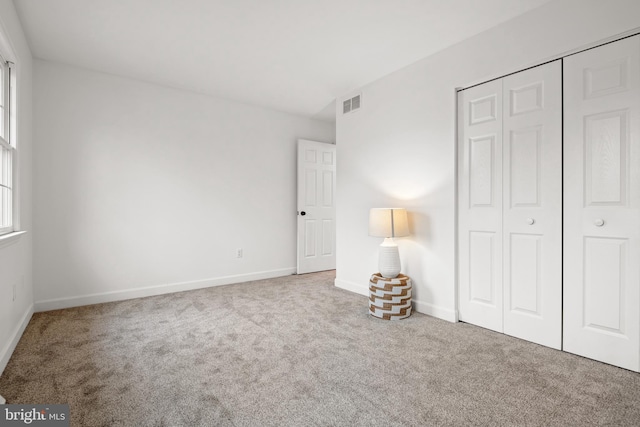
column 388, row 223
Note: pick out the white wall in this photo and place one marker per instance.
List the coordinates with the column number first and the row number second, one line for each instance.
column 16, row 258
column 399, row 150
column 139, row 186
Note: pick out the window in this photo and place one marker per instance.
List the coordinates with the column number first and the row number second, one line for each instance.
column 7, row 147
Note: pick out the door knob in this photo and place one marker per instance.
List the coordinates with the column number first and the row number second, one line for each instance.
column 599, row 222
column 531, row 221
column 303, row 213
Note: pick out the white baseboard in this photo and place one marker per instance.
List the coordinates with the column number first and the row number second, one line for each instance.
column 68, row 302
column 357, row 288
column 8, row 349
column 419, row 306
column 435, row 311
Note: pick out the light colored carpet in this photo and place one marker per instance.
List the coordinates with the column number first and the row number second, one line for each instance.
column 296, row 351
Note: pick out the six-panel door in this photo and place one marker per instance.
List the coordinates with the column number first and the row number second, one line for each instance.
column 602, row 203
column 316, row 206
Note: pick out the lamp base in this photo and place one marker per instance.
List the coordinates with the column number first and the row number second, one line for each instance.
column 389, row 259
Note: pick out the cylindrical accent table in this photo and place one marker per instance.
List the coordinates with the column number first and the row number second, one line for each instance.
column 390, row 299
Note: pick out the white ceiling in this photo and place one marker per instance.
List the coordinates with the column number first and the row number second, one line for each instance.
column 291, row 55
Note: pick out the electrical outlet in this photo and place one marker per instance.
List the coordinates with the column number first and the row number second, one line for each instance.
column 239, row 253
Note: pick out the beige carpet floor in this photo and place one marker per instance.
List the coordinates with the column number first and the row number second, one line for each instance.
column 296, row 351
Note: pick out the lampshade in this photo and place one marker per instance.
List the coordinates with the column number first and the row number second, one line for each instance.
column 388, row 222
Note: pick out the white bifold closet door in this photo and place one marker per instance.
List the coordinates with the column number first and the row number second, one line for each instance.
column 510, row 205
column 602, row 203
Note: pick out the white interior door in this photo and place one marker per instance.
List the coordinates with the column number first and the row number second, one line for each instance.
column 602, row 203
column 532, row 204
column 480, row 205
column 316, row 206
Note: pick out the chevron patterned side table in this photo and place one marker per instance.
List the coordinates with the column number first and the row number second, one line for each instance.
column 390, row 299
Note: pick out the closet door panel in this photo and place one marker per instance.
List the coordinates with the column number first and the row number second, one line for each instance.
column 602, row 203
column 480, row 205
column 532, row 204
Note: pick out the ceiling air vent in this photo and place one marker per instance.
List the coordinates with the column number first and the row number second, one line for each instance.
column 352, row 104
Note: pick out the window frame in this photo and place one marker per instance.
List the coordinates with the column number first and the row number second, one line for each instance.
column 8, row 147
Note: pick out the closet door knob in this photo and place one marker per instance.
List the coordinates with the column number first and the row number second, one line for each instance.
column 599, row 222
column 531, row 221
